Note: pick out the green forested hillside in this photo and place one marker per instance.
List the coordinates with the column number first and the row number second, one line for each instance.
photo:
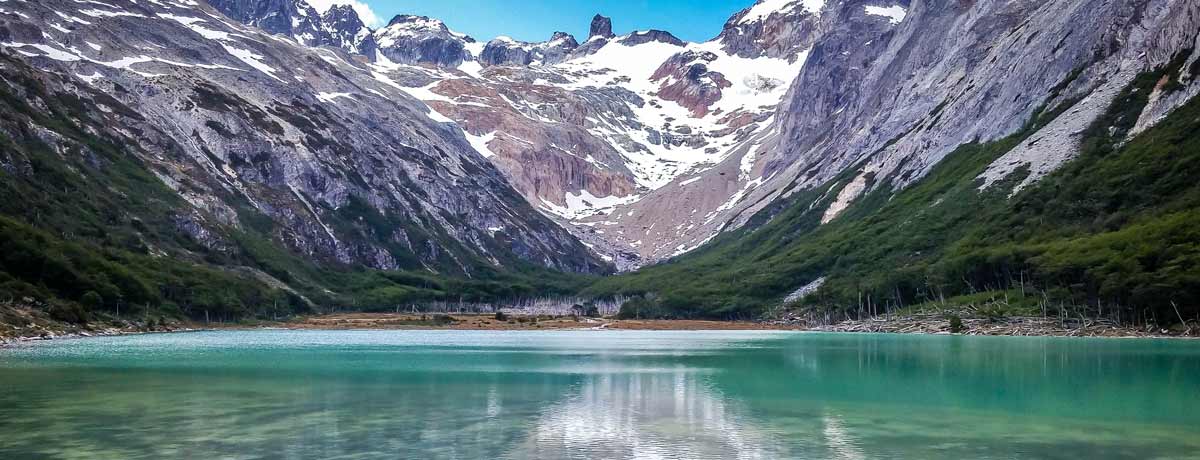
column 1115, row 232
column 90, row 232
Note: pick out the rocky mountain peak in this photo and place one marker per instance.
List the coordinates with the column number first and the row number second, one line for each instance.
column 339, row 27
column 410, row 39
column 774, row 28
column 652, row 35
column 343, row 28
column 507, row 51
column 343, row 17
column 411, row 21
column 601, row 27
column 274, row 16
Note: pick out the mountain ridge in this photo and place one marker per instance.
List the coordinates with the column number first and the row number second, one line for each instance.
column 609, row 133
column 415, row 148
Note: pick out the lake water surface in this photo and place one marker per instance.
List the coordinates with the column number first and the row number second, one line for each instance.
column 598, row 394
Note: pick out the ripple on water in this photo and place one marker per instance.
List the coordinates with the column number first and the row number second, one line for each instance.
column 590, row 394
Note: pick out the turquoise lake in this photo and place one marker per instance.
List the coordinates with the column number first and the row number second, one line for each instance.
column 598, row 394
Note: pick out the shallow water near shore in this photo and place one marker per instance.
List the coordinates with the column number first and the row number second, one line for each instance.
column 599, row 394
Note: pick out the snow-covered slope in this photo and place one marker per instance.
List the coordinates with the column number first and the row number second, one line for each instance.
column 586, row 131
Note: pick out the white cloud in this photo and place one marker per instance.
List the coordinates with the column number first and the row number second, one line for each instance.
column 364, row 11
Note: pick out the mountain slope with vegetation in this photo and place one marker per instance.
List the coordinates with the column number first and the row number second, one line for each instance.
column 89, row 231
column 1112, row 233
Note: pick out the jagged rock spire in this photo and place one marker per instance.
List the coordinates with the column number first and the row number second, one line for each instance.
column 601, row 27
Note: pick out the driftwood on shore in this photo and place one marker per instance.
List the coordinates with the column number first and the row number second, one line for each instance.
column 555, row 306
column 1015, row 326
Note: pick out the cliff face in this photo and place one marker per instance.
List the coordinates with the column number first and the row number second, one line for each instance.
column 889, row 91
column 952, row 152
column 506, row 51
column 339, row 27
column 345, row 167
column 421, row 40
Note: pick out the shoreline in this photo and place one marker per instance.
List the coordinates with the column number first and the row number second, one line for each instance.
column 915, row 324
column 1017, row 326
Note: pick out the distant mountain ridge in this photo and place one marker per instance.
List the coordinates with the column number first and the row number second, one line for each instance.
column 584, row 129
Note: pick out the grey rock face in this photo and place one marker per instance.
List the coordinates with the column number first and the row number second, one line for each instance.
column 652, row 35
column 601, row 27
column 344, row 165
column 782, row 34
column 558, row 48
column 954, row 72
column 274, row 16
column 345, row 30
column 409, row 39
column 506, row 51
column 340, row 27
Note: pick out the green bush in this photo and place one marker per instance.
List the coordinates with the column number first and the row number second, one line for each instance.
column 956, row 324
column 92, row 301
column 69, row 312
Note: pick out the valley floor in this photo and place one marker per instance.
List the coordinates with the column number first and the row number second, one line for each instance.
column 470, row 321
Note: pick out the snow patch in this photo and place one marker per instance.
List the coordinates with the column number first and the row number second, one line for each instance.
column 585, row 204
column 894, row 13
column 49, row 51
column 190, row 23
column 252, row 60
column 90, row 79
column 765, row 8
column 481, row 143
column 330, row 98
column 109, row 14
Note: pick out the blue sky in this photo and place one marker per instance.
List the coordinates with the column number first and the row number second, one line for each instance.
column 535, row 20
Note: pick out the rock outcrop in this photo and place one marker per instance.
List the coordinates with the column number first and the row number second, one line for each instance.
column 782, row 33
column 338, row 27
column 409, row 39
column 889, row 90
column 687, row 81
column 323, row 153
column 601, row 27
column 506, row 51
column 650, row 36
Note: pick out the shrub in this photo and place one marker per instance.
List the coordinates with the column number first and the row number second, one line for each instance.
column 68, row 312
column 92, row 300
column 956, row 324
column 648, row 307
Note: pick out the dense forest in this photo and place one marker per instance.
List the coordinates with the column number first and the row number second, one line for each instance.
column 1113, row 233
